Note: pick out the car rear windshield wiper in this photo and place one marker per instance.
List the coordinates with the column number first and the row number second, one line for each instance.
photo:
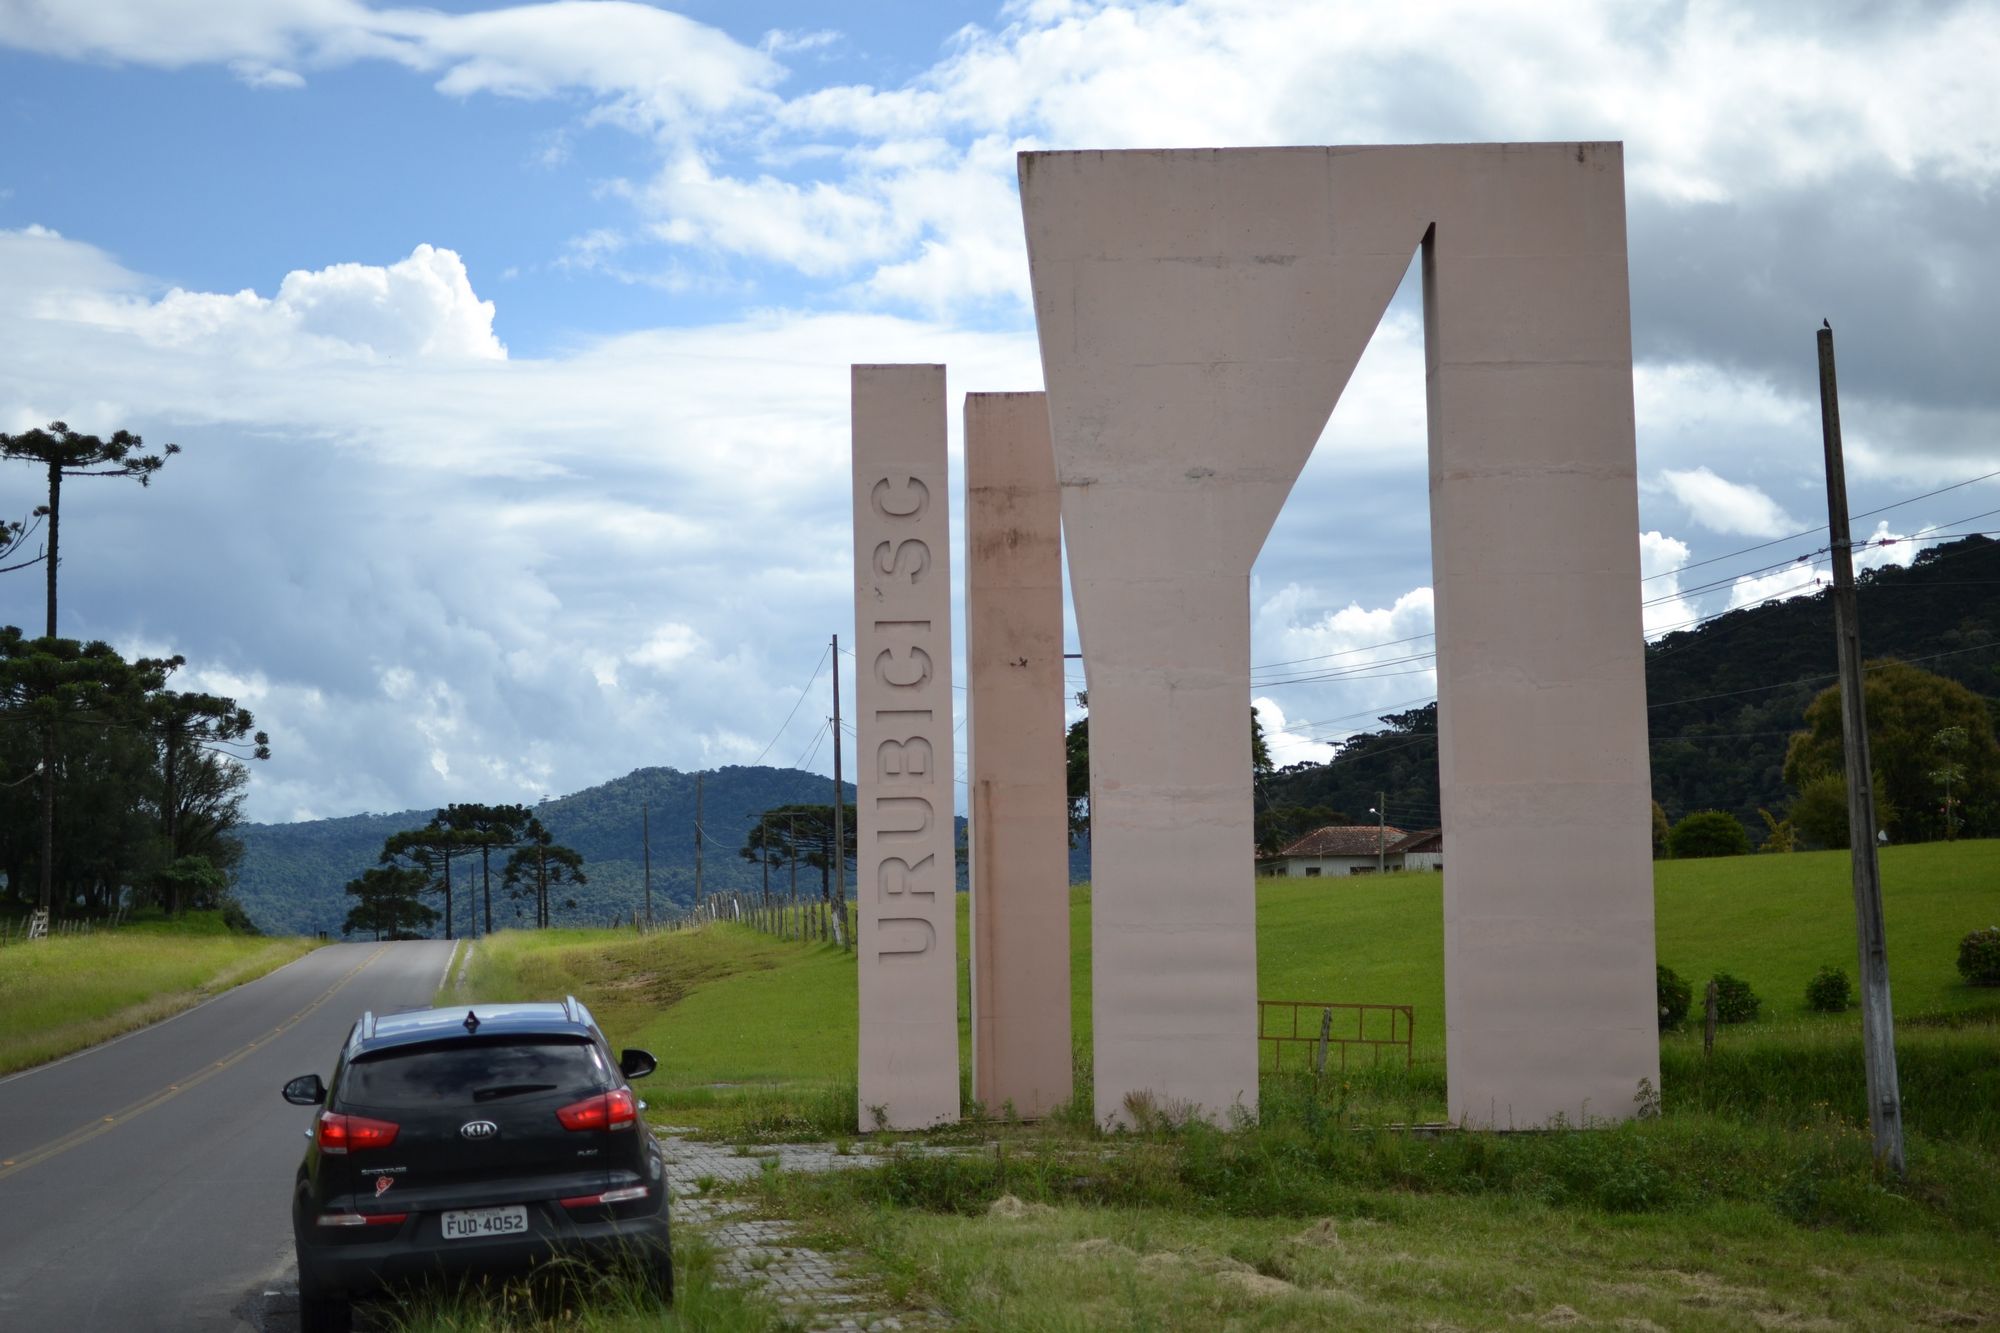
column 510, row 1090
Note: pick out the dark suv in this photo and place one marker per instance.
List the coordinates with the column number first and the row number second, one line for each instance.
column 457, row 1143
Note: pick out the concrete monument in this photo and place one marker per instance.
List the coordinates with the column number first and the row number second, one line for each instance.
column 1016, row 793
column 905, row 854
column 1199, row 313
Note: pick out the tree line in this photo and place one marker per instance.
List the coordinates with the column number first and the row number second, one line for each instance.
column 538, row 876
column 116, row 790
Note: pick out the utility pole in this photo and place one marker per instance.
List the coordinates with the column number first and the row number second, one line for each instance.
column 697, row 837
column 839, row 854
column 1878, row 1021
column 1381, row 833
column 646, row 845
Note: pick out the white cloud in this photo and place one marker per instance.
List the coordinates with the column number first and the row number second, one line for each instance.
column 647, row 65
column 460, row 578
column 1728, row 507
column 1286, row 747
column 419, row 308
column 1663, row 607
column 670, row 645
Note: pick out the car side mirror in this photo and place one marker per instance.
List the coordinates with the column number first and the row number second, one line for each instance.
column 636, row 1063
column 305, row 1090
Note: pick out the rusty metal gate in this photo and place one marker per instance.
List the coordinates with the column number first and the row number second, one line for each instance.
column 1297, row 1025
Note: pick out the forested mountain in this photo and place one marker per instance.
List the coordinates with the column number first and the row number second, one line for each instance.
column 291, row 875
column 1724, row 698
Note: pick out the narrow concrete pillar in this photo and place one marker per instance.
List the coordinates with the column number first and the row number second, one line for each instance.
column 1017, row 784
column 1199, row 313
column 905, row 849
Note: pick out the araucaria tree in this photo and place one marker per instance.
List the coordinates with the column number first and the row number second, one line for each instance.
column 62, row 452
column 484, row 828
column 387, row 902
column 541, row 866
column 430, row 851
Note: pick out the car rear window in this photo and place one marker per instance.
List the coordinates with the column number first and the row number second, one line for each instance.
column 473, row 1072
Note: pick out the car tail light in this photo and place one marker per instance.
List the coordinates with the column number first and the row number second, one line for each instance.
column 607, row 1110
column 626, row 1195
column 340, row 1133
column 361, row 1219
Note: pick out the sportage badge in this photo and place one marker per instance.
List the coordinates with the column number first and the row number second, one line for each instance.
column 478, row 1129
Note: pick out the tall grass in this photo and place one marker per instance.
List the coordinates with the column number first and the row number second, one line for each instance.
column 578, row 1298
column 63, row 994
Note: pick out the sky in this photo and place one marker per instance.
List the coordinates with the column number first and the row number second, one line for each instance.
column 507, row 346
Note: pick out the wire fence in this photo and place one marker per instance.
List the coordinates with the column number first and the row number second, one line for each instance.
column 805, row 920
column 37, row 925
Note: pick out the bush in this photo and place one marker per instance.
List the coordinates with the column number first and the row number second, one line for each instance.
column 1828, row 991
column 1735, row 1002
column 1708, row 833
column 1675, row 997
column 1979, row 957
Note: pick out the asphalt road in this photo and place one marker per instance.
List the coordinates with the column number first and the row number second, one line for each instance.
column 146, row 1183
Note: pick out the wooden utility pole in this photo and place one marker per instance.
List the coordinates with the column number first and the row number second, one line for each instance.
column 697, row 835
column 1878, row 1021
column 646, row 845
column 839, row 853
column 1381, row 833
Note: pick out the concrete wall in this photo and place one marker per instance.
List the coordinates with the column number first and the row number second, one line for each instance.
column 1017, row 789
column 1199, row 313
column 905, row 862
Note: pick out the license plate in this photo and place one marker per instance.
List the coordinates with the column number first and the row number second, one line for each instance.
column 471, row 1222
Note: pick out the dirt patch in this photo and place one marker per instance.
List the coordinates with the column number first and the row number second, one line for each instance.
column 1560, row 1316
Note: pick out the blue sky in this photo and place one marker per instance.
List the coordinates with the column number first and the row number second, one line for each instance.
column 507, row 344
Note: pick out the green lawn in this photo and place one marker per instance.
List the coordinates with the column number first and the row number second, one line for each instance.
column 1750, row 1203
column 63, row 994
column 738, row 1017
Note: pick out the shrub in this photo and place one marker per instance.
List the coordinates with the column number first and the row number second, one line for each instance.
column 1675, row 997
column 1979, row 957
column 1735, row 1002
column 1828, row 991
column 1708, row 833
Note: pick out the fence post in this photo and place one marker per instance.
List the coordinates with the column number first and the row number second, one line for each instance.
column 1325, row 1031
column 1708, row 1022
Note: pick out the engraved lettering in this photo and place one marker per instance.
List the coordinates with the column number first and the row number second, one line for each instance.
column 911, row 552
column 901, row 808
column 910, row 505
column 906, row 926
column 917, row 669
column 897, row 878
column 904, row 761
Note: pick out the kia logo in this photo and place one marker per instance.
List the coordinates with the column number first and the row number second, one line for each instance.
column 478, row 1129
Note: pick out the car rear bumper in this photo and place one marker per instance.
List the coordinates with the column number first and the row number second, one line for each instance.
column 417, row 1251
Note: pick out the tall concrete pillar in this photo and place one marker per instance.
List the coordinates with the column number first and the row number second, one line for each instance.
column 1017, row 782
column 1199, row 313
column 905, row 848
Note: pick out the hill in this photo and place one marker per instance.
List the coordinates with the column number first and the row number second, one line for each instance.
column 291, row 875
column 1723, row 697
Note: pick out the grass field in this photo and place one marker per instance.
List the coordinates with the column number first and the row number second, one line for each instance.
column 1750, row 1202
column 758, row 1035
column 63, row 994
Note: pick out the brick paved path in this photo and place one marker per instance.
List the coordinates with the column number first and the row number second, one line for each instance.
column 811, row 1286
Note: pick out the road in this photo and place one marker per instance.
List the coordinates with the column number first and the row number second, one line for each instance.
column 146, row 1183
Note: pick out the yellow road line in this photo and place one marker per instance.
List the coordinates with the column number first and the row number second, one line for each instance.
column 85, row 1133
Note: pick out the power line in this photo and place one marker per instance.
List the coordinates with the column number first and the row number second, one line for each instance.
column 819, row 667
